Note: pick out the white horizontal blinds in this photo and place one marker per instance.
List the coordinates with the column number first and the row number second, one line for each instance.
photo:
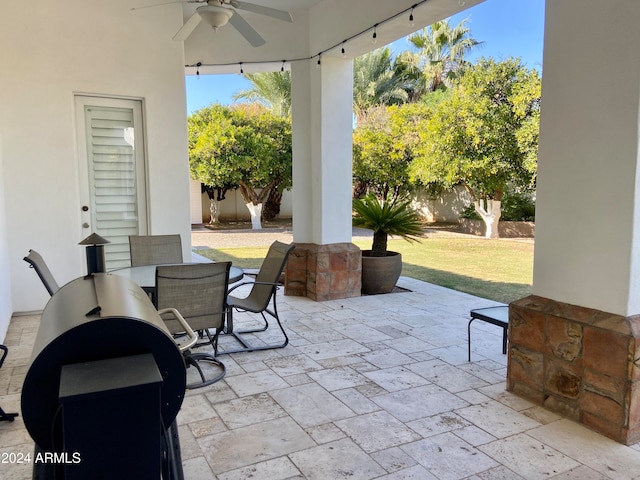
column 112, row 179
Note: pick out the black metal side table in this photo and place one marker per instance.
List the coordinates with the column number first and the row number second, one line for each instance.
column 3, row 415
column 495, row 315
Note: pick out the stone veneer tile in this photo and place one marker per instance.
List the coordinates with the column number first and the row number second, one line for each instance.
column 338, row 281
column 562, row 378
column 602, row 426
column 602, row 406
column 528, row 333
column 566, row 407
column 564, row 339
column 297, row 260
column 338, row 261
column 634, row 410
column 526, row 366
column 606, row 352
column 605, row 385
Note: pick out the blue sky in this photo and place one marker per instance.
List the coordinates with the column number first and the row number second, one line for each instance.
column 508, row 28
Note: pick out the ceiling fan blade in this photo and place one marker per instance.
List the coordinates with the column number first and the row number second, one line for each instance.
column 268, row 11
column 166, row 3
column 188, row 27
column 246, row 30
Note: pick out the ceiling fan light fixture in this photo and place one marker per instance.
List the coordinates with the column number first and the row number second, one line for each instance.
column 215, row 16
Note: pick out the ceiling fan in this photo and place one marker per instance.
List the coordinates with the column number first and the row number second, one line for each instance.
column 218, row 13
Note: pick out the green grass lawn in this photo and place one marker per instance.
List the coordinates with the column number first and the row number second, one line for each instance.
column 499, row 270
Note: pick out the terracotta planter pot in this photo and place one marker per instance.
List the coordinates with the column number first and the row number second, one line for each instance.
column 380, row 274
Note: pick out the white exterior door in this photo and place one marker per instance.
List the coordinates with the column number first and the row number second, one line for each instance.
column 112, row 172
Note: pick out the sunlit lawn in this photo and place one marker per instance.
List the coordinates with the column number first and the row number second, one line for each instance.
column 499, row 270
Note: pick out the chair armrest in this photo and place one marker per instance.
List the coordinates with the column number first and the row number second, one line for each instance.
column 193, row 338
column 275, row 284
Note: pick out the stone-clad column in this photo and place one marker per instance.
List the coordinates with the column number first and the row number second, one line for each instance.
column 325, row 264
column 574, row 345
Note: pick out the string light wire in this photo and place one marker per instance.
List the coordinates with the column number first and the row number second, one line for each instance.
column 341, row 44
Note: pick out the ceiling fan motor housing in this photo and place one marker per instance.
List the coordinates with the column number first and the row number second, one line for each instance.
column 215, row 16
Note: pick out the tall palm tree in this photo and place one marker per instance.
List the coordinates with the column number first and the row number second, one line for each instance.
column 272, row 89
column 376, row 82
column 441, row 51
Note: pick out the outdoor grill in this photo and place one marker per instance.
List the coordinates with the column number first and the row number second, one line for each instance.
column 105, row 384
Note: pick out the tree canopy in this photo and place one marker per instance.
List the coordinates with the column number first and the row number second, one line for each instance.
column 440, row 51
column 245, row 147
column 271, row 89
column 484, row 136
column 376, row 82
column 383, row 148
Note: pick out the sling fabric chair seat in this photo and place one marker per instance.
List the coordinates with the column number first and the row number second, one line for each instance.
column 155, row 249
column 35, row 261
column 263, row 292
column 198, row 292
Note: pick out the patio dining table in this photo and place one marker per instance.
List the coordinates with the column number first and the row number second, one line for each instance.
column 145, row 276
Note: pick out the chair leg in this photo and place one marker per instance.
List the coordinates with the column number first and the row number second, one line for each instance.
column 9, row 417
column 246, row 346
column 193, row 358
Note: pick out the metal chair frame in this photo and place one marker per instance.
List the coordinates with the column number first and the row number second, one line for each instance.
column 259, row 299
column 192, row 318
column 35, row 261
column 9, row 417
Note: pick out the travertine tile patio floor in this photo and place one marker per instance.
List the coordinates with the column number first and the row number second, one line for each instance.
column 375, row 387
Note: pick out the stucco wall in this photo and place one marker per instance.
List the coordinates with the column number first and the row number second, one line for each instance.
column 57, row 50
column 443, row 208
column 5, row 284
column 233, row 209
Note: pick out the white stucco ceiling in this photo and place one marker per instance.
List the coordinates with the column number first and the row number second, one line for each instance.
column 317, row 26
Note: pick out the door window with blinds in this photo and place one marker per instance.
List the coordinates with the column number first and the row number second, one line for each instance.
column 112, row 173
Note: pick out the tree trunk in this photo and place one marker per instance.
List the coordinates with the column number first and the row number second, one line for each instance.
column 379, row 247
column 214, row 210
column 272, row 205
column 256, row 212
column 490, row 215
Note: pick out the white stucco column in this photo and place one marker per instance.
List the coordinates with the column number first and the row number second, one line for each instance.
column 325, row 264
column 322, row 137
column 587, row 249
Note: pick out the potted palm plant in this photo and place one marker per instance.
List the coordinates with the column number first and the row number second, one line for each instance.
column 381, row 268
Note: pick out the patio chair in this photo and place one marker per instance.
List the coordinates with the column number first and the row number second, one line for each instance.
column 155, row 249
column 263, row 292
column 195, row 293
column 35, row 261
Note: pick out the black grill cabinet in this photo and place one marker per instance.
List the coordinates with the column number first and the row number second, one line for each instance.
column 105, row 384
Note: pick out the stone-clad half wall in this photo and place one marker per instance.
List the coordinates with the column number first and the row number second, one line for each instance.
column 324, row 272
column 581, row 363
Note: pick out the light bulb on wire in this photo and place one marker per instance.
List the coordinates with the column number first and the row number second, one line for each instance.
column 374, row 37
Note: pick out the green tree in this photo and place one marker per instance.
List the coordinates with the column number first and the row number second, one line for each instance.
column 271, row 89
column 245, row 147
column 383, row 148
column 484, row 136
column 440, row 53
column 376, row 82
